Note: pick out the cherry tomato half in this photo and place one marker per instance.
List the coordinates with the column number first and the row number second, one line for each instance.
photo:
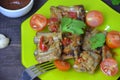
column 109, row 67
column 62, row 65
column 38, row 22
column 113, row 39
column 94, row 18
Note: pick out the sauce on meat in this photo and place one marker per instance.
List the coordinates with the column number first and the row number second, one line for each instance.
column 14, row 4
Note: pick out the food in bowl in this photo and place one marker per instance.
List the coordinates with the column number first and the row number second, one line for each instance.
column 15, row 8
column 14, row 4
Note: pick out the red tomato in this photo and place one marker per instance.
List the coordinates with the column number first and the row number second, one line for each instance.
column 109, row 67
column 53, row 24
column 113, row 39
column 52, row 20
column 66, row 41
column 42, row 46
column 38, row 22
column 53, row 28
column 94, row 18
column 72, row 14
column 62, row 65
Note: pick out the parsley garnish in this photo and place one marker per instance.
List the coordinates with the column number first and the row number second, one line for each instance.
column 97, row 40
column 72, row 25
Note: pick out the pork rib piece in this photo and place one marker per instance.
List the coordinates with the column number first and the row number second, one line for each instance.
column 52, row 42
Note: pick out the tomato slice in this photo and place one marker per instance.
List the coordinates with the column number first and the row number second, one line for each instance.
column 109, row 67
column 62, row 65
column 94, row 18
column 113, row 39
column 42, row 46
column 38, row 22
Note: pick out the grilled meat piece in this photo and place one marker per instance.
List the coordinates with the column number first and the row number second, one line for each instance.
column 54, row 20
column 106, row 52
column 88, row 34
column 53, row 24
column 86, row 42
column 52, row 43
column 57, row 13
column 87, row 62
column 71, row 45
column 76, row 10
column 89, row 59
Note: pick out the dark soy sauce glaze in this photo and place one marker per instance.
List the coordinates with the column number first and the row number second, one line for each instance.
column 14, row 4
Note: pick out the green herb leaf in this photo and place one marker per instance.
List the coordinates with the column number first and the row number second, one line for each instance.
column 72, row 25
column 65, row 22
column 97, row 40
column 115, row 2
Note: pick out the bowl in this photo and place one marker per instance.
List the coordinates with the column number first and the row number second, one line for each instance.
column 14, row 13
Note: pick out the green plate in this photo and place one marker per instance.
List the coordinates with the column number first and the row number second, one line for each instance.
column 111, row 22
